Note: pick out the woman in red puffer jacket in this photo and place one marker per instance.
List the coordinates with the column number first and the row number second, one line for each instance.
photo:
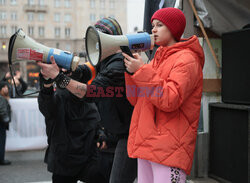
column 166, row 96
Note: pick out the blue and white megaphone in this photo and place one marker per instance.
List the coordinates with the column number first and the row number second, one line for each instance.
column 24, row 48
column 99, row 45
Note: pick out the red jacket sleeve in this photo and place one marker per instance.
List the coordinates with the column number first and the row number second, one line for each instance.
column 168, row 93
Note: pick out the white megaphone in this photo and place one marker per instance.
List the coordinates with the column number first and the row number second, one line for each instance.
column 99, row 45
column 24, row 48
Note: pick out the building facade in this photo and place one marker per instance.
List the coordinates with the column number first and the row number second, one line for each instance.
column 55, row 23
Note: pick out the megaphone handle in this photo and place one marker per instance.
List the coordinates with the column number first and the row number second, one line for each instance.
column 126, row 50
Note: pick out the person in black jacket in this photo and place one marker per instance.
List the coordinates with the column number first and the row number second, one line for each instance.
column 108, row 91
column 71, row 127
column 5, row 118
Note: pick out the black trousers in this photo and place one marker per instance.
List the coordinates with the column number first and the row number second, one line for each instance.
column 2, row 141
column 96, row 171
column 124, row 169
column 63, row 179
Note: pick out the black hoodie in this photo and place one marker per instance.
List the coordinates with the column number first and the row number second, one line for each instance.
column 113, row 106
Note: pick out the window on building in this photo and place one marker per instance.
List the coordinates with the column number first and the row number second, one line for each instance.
column 57, row 17
column 57, row 32
column 13, row 2
column 41, row 16
column 67, row 3
column 13, row 29
column 57, row 3
column 31, row 31
column 3, row 15
column 92, row 3
column 41, row 2
column 67, row 18
column 2, row 2
column 67, row 32
column 3, row 30
column 31, row 2
column 68, row 47
column 41, row 31
column 13, row 16
column 92, row 18
column 102, row 4
column 112, row 4
column 30, row 16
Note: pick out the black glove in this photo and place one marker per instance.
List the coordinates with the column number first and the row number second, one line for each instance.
column 105, row 136
column 78, row 73
column 81, row 74
column 101, row 136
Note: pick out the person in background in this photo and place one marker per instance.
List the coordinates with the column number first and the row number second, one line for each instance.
column 20, row 84
column 166, row 97
column 115, row 111
column 5, row 118
column 108, row 91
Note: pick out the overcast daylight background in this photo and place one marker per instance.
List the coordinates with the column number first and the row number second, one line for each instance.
column 135, row 13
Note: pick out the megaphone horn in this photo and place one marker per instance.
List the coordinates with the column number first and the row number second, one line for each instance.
column 24, row 48
column 99, row 45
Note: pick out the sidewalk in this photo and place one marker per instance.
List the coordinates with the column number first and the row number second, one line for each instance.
column 201, row 180
column 28, row 167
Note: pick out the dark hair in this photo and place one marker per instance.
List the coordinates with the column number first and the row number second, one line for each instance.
column 3, row 84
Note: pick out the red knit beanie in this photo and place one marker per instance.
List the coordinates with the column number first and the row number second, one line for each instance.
column 173, row 18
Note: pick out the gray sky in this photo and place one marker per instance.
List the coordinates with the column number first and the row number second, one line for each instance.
column 135, row 13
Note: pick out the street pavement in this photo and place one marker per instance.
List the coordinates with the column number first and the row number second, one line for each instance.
column 28, row 167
